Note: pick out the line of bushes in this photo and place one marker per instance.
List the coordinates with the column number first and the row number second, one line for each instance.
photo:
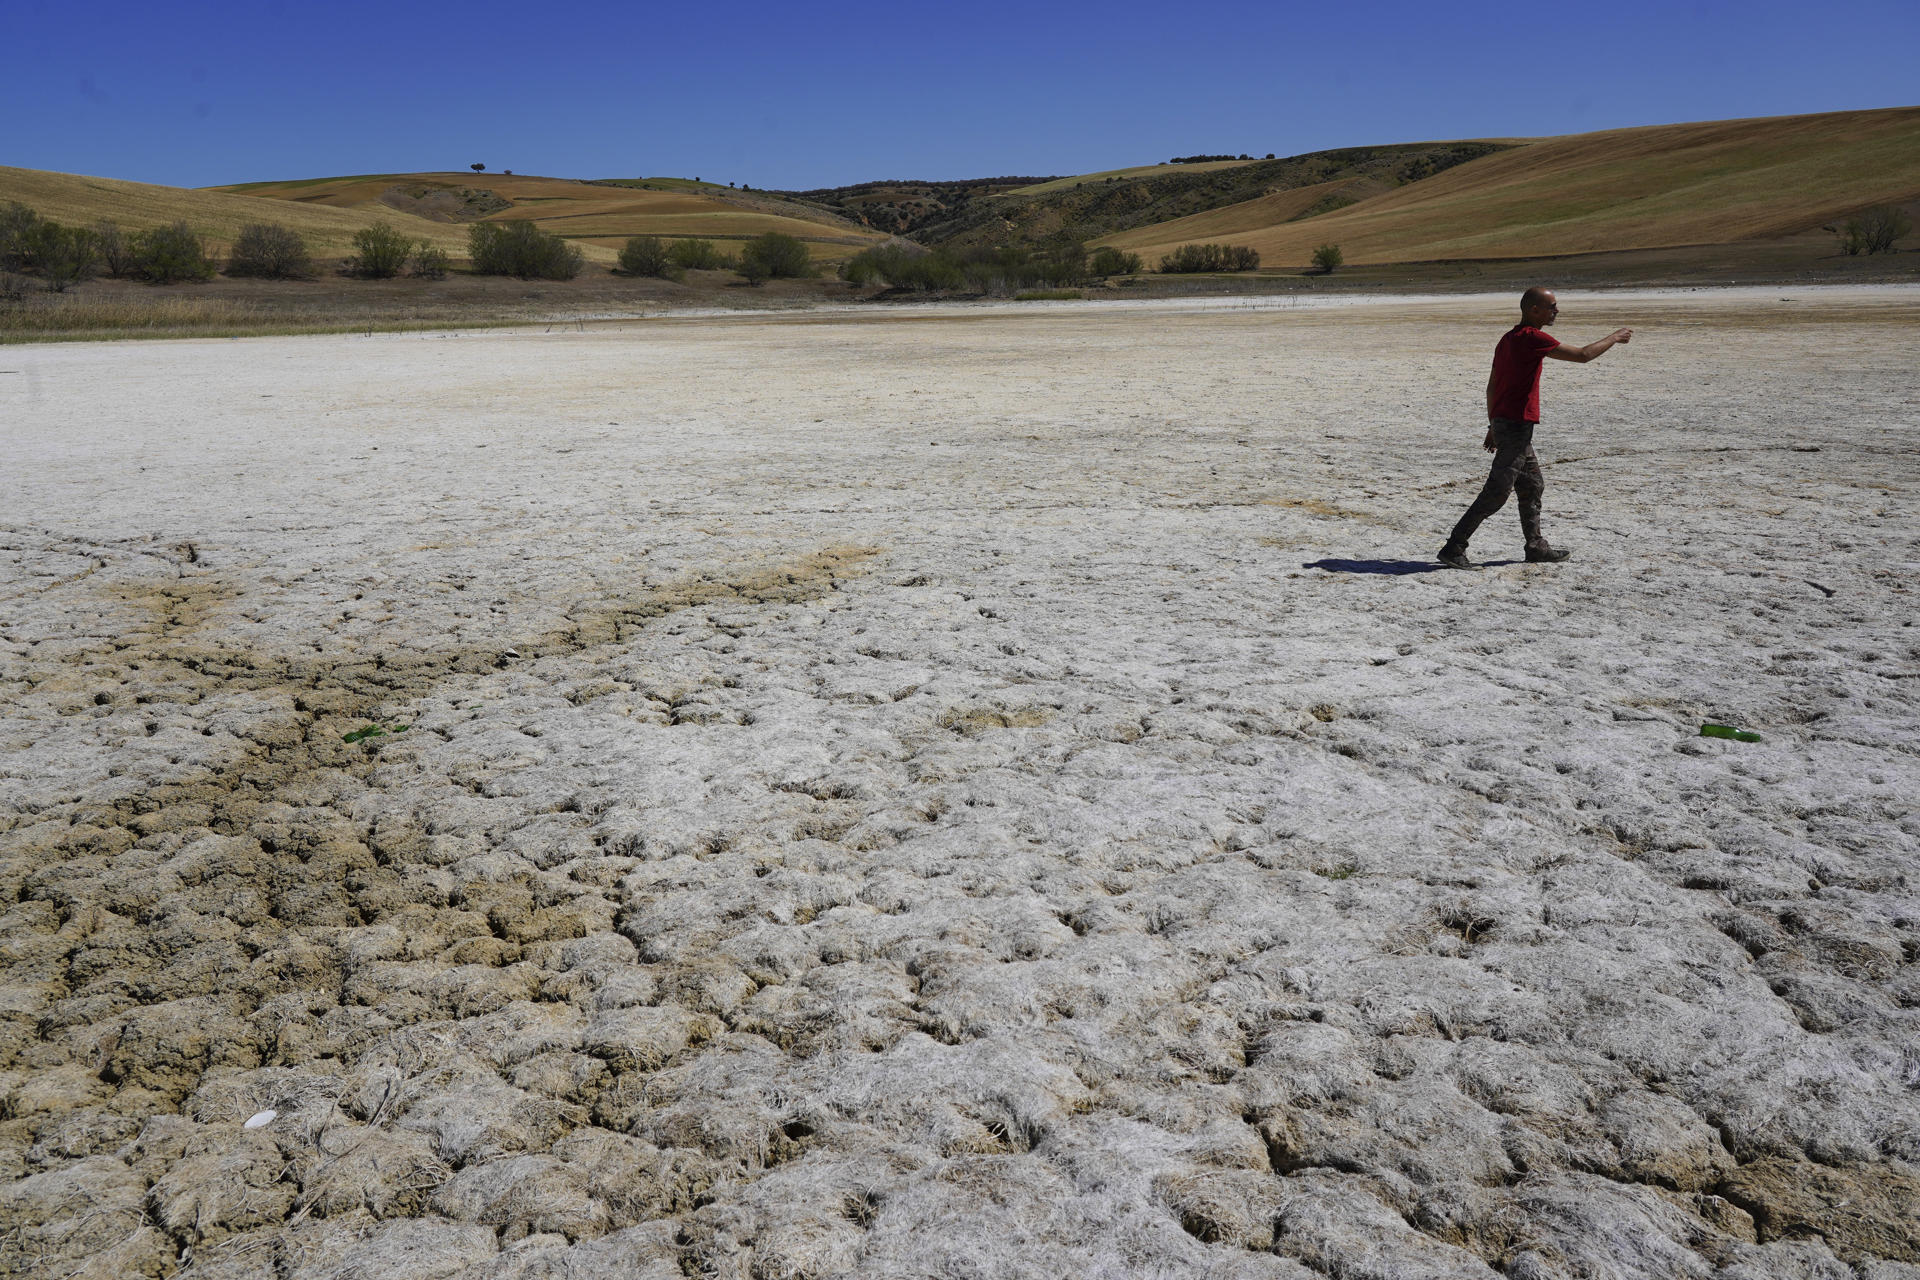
column 64, row 256
column 1003, row 270
column 1190, row 258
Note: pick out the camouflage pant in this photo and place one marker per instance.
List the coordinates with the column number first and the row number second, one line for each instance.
column 1515, row 469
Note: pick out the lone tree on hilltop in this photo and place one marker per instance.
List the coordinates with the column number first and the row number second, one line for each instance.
column 477, row 168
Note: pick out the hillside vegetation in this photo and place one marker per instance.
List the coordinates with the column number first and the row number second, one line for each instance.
column 902, row 206
column 596, row 214
column 1029, row 212
column 1686, row 184
column 1136, row 171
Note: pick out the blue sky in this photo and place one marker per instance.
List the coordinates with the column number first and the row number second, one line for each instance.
column 792, row 96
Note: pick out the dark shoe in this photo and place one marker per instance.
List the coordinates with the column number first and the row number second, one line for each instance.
column 1455, row 558
column 1547, row 555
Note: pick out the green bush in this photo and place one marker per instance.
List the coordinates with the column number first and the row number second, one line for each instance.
column 116, row 251
column 1874, row 230
column 646, row 256
column 16, row 228
column 429, row 261
column 269, row 251
column 980, row 270
column 380, row 253
column 60, row 255
column 521, row 249
column 1109, row 261
column 169, row 255
column 1190, row 258
column 696, row 255
column 1327, row 257
column 64, row 256
column 776, row 256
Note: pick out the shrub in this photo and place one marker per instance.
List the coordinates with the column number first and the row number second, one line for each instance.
column 776, row 255
column 521, row 249
column 1190, row 258
column 429, row 261
column 115, row 249
column 269, row 251
column 860, row 270
column 64, row 255
column 13, row 288
column 16, row 227
column 1874, row 230
column 695, row 255
column 645, row 256
column 168, row 255
column 981, row 270
column 1109, row 261
column 753, row 269
column 380, row 253
column 1326, row 258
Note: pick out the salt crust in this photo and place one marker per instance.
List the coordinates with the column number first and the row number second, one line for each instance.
column 978, row 793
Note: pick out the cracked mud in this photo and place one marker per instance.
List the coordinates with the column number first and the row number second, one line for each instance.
column 988, row 793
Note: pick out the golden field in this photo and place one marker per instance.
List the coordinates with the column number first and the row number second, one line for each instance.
column 595, row 215
column 80, row 201
column 431, row 206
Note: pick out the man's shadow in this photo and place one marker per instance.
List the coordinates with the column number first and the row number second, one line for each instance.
column 1395, row 568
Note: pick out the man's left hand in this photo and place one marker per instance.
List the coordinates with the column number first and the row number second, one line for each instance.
column 1488, row 443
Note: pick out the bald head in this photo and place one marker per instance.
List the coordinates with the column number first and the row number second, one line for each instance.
column 1538, row 306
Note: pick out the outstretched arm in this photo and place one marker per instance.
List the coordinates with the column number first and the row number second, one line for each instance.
column 1487, row 443
column 1593, row 350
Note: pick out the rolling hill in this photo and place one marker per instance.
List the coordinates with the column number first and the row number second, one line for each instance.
column 217, row 215
column 1104, row 204
column 597, row 214
column 1667, row 185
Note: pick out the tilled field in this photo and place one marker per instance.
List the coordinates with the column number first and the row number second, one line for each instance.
column 975, row 793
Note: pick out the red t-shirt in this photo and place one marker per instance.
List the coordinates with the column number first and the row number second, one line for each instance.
column 1516, row 372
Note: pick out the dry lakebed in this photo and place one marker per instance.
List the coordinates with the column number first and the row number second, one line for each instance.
column 973, row 791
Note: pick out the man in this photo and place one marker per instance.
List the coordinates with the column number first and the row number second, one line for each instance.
column 1513, row 409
